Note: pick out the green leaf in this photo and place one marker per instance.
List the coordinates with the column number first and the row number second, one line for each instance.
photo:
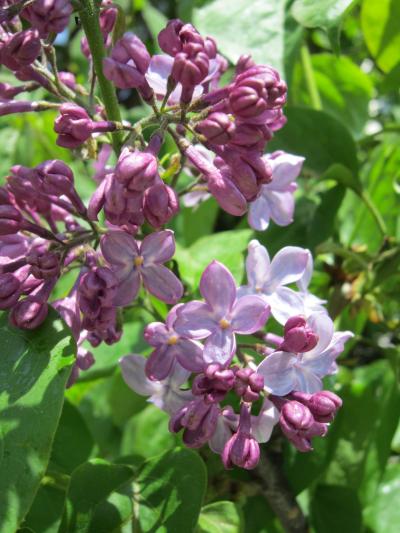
column 225, row 246
column 380, row 25
column 345, row 90
column 46, row 512
column 35, row 366
column 317, row 136
column 383, row 516
column 327, row 501
column 323, row 13
column 154, row 20
column 243, row 27
column 220, row 517
column 171, row 490
column 73, row 443
column 91, row 484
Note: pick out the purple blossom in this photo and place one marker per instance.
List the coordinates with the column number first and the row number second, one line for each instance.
column 242, row 448
column 221, row 315
column 169, row 348
column 285, row 372
column 276, row 199
column 269, row 278
column 48, row 16
column 135, row 262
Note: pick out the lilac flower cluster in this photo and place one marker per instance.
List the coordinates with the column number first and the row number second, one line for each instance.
column 196, row 383
column 199, row 368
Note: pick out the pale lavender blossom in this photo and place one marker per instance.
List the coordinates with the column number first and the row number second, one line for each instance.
column 169, row 348
column 285, row 372
column 276, row 200
column 221, row 315
column 269, row 278
column 312, row 304
column 134, row 262
column 166, row 394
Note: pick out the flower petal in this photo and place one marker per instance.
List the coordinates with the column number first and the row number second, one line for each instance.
column 249, row 314
column 285, row 303
column 305, row 279
column 118, row 247
column 162, row 283
column 158, row 247
column 287, row 266
column 220, row 347
column 281, row 205
column 259, row 213
column 307, row 381
column 279, row 372
column 322, row 325
column 189, row 354
column 285, row 169
column 127, row 289
column 195, row 320
column 257, row 264
column 132, row 368
column 156, row 334
column 263, row 424
column 178, row 377
column 160, row 68
column 218, row 288
column 159, row 364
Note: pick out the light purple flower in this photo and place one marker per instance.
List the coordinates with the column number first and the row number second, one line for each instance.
column 166, row 395
column 269, row 278
column 276, row 199
column 285, row 372
column 221, row 315
column 134, row 262
column 160, row 69
column 169, row 348
column 312, row 304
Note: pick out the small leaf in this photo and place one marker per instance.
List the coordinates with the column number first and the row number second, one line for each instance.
column 326, row 502
column 323, row 14
column 220, row 517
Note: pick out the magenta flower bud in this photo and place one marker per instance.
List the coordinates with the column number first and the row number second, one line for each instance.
column 108, row 18
column 97, row 289
column 160, row 204
column 323, row 405
column 198, row 420
column 16, row 106
column 298, row 336
column 251, row 136
column 295, row 417
column 73, row 125
column 21, row 49
column 7, row 91
column 136, row 170
column 29, row 313
column 218, row 128
column 169, row 39
column 48, row 16
column 44, row 263
column 10, row 290
column 242, row 449
column 190, row 70
column 244, row 63
column 248, row 384
column 128, row 64
column 214, row 383
column 85, row 359
column 210, row 47
column 68, row 79
column 10, row 220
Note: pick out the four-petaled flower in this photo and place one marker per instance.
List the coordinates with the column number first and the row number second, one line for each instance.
column 134, row 261
column 221, row 315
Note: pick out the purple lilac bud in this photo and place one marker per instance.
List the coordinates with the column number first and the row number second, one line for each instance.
column 214, row 384
column 97, row 289
column 21, row 49
column 298, row 336
column 128, row 64
column 256, row 90
column 11, row 287
column 107, row 20
column 68, row 79
column 73, row 125
column 189, row 70
column 48, row 16
column 299, row 426
column 7, row 91
column 136, row 170
column 198, row 420
column 32, row 311
column 17, row 106
column 245, row 62
column 210, row 47
column 10, row 220
column 323, row 405
column 248, row 384
column 242, row 449
column 44, row 263
column 160, row 204
column 251, row 136
column 177, row 36
column 218, row 128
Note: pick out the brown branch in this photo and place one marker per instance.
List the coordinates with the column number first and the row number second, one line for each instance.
column 276, row 490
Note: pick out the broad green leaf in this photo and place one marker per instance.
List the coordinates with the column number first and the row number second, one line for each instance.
column 380, row 25
column 47, row 509
column 335, row 508
column 258, row 516
column 243, row 27
column 146, row 434
column 383, row 515
column 220, row 517
column 90, row 485
column 345, row 90
column 170, row 491
column 155, row 21
column 35, row 367
column 317, row 136
column 325, row 216
column 124, row 403
column 73, row 443
column 323, row 13
column 225, row 246
column 195, row 223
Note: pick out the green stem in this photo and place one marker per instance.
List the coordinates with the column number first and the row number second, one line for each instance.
column 375, row 213
column 310, row 78
column 89, row 16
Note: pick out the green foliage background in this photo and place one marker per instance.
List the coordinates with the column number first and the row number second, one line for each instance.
column 94, row 463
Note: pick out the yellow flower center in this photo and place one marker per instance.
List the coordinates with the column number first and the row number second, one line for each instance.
column 138, row 261
column 224, row 324
column 172, row 340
